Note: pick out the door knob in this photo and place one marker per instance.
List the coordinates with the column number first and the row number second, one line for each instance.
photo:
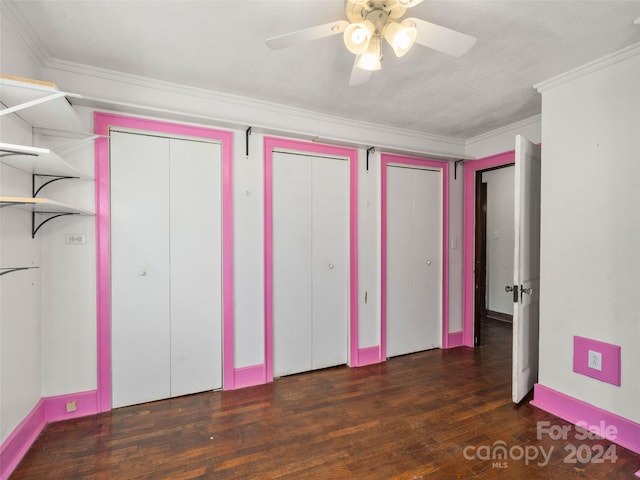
column 508, row 288
column 331, row 266
column 142, row 273
column 428, row 262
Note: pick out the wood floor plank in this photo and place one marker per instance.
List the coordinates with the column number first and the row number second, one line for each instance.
column 410, row 418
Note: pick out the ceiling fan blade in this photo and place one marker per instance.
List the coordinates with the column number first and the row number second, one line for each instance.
column 306, row 35
column 358, row 75
column 441, row 38
column 410, row 3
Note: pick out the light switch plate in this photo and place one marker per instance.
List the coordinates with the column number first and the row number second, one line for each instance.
column 589, row 354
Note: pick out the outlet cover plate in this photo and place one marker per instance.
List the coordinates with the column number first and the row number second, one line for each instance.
column 610, row 366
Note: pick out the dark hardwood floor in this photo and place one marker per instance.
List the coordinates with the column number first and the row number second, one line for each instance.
column 435, row 414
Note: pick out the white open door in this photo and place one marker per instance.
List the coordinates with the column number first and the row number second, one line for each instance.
column 526, row 268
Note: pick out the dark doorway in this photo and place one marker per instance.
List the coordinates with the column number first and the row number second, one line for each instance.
column 481, row 312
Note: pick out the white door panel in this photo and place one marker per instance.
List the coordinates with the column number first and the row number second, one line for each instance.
column 414, row 259
column 526, row 272
column 400, row 261
column 196, row 266
column 330, row 261
column 292, row 289
column 139, row 269
column 310, row 262
column 428, row 258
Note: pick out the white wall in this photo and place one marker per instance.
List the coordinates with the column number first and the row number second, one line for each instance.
column 500, row 230
column 591, row 229
column 20, row 292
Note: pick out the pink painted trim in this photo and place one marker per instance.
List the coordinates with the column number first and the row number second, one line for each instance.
column 102, row 124
column 576, row 411
column 47, row 410
column 56, row 407
column 20, row 440
column 352, row 154
column 611, row 366
column 444, row 168
column 369, row 355
column 470, row 169
column 249, row 376
column 456, row 339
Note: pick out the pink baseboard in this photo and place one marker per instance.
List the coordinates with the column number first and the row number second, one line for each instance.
column 47, row 410
column 627, row 432
column 456, row 339
column 20, row 440
column 56, row 407
column 369, row 356
column 249, row 376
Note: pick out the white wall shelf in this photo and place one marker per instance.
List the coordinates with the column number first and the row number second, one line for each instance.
column 40, row 104
column 38, row 161
column 44, row 107
column 42, row 206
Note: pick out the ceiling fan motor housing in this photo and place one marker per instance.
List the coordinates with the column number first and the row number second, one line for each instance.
column 376, row 11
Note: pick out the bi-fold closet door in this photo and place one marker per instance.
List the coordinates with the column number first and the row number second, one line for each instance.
column 310, row 196
column 414, row 259
column 166, row 261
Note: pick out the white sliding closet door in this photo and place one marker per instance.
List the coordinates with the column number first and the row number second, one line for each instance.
column 166, row 262
column 310, row 262
column 414, row 259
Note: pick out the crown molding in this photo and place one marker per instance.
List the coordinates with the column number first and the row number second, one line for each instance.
column 244, row 111
column 593, row 66
column 516, row 126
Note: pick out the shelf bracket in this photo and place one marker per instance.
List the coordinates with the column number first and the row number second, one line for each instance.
column 247, row 133
column 4, row 271
column 54, row 178
column 455, row 167
column 369, row 151
column 35, row 229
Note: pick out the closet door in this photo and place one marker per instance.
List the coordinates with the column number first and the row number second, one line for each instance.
column 292, row 281
column 196, row 266
column 414, row 259
column 140, row 290
column 310, row 262
column 330, row 261
column 166, row 261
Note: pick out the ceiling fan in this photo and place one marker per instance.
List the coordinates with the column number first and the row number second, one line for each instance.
column 369, row 22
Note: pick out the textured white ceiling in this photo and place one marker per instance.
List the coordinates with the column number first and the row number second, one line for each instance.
column 219, row 45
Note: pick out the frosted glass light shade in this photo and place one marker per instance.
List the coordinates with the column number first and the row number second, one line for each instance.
column 401, row 36
column 357, row 36
column 371, row 59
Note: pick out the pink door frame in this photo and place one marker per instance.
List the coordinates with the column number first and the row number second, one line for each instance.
column 102, row 124
column 468, row 288
column 443, row 166
column 271, row 143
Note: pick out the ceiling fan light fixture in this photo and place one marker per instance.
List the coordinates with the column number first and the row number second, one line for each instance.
column 401, row 36
column 371, row 59
column 357, row 36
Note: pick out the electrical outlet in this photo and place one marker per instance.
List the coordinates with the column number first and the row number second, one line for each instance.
column 595, row 360
column 72, row 406
column 75, row 238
